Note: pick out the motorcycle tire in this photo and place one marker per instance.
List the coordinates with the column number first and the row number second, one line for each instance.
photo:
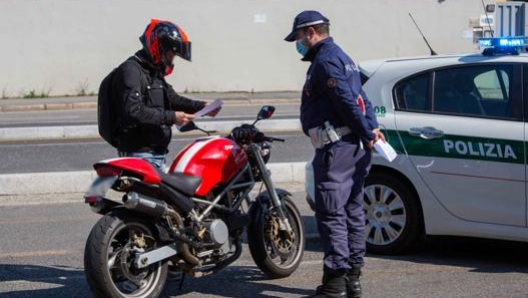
column 275, row 254
column 108, row 261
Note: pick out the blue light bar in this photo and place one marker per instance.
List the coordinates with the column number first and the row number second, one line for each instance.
column 519, row 41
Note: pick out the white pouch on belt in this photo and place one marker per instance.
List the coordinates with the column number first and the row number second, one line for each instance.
column 319, row 137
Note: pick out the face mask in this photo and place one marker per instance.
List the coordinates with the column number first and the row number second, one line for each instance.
column 301, row 48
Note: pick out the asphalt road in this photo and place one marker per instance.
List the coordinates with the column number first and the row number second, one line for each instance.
column 42, row 245
column 89, row 116
column 80, row 155
column 42, row 248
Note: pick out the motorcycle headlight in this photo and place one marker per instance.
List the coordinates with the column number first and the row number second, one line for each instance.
column 265, row 151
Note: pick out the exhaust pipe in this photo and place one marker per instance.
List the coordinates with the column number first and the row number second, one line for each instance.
column 103, row 206
column 145, row 204
column 157, row 208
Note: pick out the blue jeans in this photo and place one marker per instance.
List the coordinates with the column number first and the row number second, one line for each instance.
column 157, row 160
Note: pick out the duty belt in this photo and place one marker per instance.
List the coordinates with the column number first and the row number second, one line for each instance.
column 341, row 132
column 320, row 136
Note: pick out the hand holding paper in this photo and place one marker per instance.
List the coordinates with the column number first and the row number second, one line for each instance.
column 215, row 105
column 385, row 150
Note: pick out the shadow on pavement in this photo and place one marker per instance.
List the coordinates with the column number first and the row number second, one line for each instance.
column 483, row 255
column 59, row 281
column 235, row 281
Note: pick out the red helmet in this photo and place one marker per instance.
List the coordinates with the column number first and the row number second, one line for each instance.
column 161, row 36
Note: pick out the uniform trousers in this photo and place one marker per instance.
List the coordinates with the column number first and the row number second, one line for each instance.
column 340, row 169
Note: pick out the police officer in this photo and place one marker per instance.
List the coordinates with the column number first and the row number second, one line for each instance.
column 147, row 105
column 342, row 126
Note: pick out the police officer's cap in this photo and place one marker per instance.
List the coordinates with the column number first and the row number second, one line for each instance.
column 305, row 19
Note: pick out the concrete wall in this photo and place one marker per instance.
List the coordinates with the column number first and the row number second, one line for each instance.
column 65, row 46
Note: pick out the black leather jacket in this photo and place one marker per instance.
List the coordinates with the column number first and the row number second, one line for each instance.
column 146, row 103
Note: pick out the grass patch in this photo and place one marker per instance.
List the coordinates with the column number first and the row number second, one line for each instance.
column 82, row 88
column 37, row 94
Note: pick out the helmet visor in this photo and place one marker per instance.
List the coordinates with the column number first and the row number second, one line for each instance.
column 185, row 50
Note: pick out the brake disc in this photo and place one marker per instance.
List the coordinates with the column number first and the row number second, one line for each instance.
column 281, row 241
column 126, row 262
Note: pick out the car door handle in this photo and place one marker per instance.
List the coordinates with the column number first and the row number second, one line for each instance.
column 427, row 132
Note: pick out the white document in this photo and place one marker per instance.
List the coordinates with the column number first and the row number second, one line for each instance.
column 209, row 108
column 385, row 150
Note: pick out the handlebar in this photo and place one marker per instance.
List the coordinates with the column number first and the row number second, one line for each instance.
column 248, row 133
column 260, row 137
column 272, row 139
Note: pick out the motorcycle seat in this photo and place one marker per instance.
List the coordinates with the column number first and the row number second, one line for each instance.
column 185, row 183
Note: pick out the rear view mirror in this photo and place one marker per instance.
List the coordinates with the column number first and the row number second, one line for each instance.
column 265, row 112
column 192, row 126
column 187, row 127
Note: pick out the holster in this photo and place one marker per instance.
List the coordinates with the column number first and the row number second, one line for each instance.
column 320, row 136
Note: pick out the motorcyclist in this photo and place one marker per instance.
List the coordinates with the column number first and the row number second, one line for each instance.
column 147, row 105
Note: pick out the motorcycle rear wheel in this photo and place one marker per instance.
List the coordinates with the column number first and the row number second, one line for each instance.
column 108, row 261
column 275, row 252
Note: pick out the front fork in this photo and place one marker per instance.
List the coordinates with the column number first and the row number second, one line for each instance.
column 284, row 223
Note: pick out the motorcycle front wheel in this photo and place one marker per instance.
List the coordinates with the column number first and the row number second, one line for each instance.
column 109, row 258
column 277, row 253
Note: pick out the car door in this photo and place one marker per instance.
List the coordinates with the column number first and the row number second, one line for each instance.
column 463, row 130
column 525, row 109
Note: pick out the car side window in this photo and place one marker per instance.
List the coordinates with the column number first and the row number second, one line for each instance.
column 495, row 88
column 413, row 94
column 490, row 86
column 482, row 91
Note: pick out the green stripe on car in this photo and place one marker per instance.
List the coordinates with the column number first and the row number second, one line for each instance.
column 457, row 146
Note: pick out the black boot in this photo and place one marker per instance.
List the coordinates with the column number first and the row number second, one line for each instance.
column 353, row 287
column 334, row 285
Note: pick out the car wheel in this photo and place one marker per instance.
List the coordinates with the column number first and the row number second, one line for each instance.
column 393, row 216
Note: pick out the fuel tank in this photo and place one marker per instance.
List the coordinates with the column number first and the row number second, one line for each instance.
column 215, row 159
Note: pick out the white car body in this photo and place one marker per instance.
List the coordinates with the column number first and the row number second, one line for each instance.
column 468, row 170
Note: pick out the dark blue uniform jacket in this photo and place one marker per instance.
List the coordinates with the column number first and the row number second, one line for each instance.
column 331, row 91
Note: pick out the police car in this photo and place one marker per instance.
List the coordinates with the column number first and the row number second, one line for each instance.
column 458, row 125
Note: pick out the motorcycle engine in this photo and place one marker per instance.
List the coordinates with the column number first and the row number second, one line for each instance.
column 218, row 231
column 218, row 235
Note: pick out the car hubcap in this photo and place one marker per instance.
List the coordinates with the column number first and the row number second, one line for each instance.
column 385, row 215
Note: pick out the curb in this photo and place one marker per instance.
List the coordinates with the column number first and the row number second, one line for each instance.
column 79, row 181
column 93, row 105
column 91, row 131
column 48, row 107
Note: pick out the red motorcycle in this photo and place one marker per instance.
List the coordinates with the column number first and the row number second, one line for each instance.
column 190, row 219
